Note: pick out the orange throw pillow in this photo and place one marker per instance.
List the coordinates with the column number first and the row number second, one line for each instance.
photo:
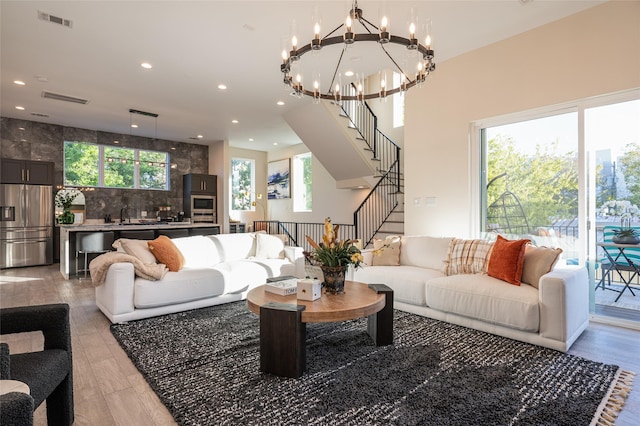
column 166, row 252
column 507, row 259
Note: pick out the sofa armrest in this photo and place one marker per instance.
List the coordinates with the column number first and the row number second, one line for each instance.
column 117, row 292
column 295, row 256
column 564, row 302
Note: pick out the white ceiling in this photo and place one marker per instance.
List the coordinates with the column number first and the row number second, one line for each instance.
column 196, row 45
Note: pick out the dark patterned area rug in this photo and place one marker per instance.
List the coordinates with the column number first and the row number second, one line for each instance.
column 204, row 366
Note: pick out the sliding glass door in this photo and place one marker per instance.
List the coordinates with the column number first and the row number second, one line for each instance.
column 560, row 176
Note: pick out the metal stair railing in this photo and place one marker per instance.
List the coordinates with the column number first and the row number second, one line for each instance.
column 383, row 198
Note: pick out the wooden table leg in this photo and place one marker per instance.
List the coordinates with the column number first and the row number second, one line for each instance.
column 283, row 338
column 380, row 326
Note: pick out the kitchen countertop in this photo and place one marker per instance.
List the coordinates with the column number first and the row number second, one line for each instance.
column 135, row 226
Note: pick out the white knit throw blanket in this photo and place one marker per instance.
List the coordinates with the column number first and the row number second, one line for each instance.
column 100, row 265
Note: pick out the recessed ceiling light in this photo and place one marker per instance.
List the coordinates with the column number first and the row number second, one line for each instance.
column 250, row 139
column 173, row 148
column 280, row 103
column 116, row 141
column 200, row 136
column 20, row 128
column 21, row 108
column 222, row 87
column 234, row 121
column 275, row 144
column 146, row 65
column 349, row 73
column 135, row 126
column 19, row 82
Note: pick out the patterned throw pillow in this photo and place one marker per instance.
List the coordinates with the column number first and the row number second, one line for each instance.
column 468, row 257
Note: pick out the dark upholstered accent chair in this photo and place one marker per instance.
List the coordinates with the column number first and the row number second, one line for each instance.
column 48, row 373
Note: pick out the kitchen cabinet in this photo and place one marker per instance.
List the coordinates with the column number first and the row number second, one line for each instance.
column 200, row 184
column 237, row 228
column 26, row 171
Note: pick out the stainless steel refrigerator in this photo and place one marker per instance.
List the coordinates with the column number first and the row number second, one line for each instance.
column 26, row 225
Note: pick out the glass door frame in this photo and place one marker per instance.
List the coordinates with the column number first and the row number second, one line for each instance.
column 586, row 178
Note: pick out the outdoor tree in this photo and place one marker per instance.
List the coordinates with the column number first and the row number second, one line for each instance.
column 545, row 183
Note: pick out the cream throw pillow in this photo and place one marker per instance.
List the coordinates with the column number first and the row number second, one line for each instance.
column 390, row 251
column 537, row 262
column 137, row 248
column 269, row 246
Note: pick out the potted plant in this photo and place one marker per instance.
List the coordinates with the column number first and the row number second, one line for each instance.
column 334, row 256
column 64, row 199
column 626, row 235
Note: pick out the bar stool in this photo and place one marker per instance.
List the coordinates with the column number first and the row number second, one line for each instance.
column 91, row 243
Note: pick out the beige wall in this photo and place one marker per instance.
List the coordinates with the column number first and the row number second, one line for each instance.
column 591, row 53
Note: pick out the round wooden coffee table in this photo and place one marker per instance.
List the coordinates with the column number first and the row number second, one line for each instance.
column 283, row 321
column 357, row 301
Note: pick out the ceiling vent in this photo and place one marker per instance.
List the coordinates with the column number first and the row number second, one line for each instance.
column 65, row 98
column 55, row 19
column 39, row 114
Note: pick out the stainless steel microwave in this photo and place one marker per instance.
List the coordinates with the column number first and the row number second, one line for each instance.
column 203, row 208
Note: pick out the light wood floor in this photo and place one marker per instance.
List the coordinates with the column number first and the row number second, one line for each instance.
column 110, row 391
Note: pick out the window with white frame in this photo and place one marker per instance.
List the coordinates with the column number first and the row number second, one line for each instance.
column 92, row 165
column 243, row 182
column 302, row 182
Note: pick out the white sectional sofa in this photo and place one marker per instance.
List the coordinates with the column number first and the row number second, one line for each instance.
column 552, row 315
column 217, row 269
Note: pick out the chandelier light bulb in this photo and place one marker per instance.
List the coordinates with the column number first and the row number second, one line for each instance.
column 348, row 24
column 383, row 24
column 285, row 55
column 384, row 32
column 427, row 42
column 316, row 85
column 412, row 30
column 316, row 30
column 294, row 43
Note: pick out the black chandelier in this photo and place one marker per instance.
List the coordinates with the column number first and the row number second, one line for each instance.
column 381, row 35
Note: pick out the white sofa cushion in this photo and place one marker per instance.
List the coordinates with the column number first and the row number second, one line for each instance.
column 243, row 274
column 178, row 287
column 407, row 282
column 198, row 251
column 425, row 252
column 485, row 298
column 234, row 246
column 269, row 246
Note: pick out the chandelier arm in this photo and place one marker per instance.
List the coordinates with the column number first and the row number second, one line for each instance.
column 328, row 35
column 356, row 97
column 394, row 61
column 365, row 26
column 344, row 48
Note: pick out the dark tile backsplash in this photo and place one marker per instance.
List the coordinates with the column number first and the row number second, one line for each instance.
column 45, row 142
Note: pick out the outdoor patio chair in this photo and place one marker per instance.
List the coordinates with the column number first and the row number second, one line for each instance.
column 621, row 264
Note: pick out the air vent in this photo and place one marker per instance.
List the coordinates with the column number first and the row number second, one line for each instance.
column 55, row 19
column 39, row 114
column 65, row 98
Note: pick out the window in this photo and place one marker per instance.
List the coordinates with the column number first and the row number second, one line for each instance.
column 302, row 168
column 243, row 183
column 92, row 165
column 531, row 187
column 81, row 165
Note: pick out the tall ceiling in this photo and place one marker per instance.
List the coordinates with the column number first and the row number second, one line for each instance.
column 194, row 46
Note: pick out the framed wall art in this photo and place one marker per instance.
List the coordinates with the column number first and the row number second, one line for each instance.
column 278, row 182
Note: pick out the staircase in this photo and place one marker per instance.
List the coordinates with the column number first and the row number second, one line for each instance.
column 367, row 158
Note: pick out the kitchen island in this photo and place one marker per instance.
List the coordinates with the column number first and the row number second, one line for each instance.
column 120, row 230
